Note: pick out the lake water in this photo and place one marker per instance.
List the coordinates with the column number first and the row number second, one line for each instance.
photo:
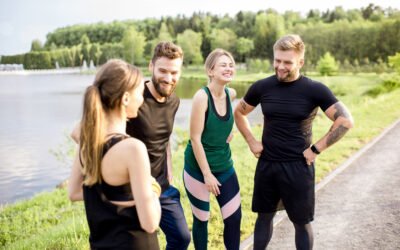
column 37, row 112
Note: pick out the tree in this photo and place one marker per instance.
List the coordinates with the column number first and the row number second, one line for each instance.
column 394, row 61
column 291, row 18
column 268, row 28
column 85, row 49
column 314, row 15
column 38, row 60
column 372, row 12
column 133, row 43
column 53, row 46
column 110, row 51
column 190, row 43
column 36, row 45
column 164, row 34
column 257, row 65
column 95, row 53
column 243, row 48
column 224, row 39
column 244, row 23
column 77, row 56
column 327, row 65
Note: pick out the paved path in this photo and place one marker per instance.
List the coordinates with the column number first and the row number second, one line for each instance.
column 358, row 206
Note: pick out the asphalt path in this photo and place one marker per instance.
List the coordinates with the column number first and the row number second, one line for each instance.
column 357, row 205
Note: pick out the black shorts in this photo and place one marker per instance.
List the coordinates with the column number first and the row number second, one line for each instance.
column 293, row 182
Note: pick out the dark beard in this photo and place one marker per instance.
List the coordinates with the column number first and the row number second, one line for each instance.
column 159, row 90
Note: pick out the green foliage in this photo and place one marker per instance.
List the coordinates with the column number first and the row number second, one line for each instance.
column 36, row 45
column 385, row 87
column 394, row 61
column 96, row 33
column 95, row 53
column 224, row 39
column 85, row 40
column 370, row 32
column 14, row 59
column 190, row 43
column 327, row 65
column 258, row 65
column 50, row 221
column 110, row 51
column 244, row 46
column 38, row 60
column 133, row 44
column 77, row 56
column 85, row 48
column 268, row 28
column 164, row 34
column 64, row 57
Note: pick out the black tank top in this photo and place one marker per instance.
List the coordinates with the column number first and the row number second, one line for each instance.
column 112, row 226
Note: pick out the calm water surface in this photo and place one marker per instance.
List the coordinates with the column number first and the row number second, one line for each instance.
column 37, row 112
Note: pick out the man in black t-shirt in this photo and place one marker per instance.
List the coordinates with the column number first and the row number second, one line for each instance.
column 153, row 126
column 285, row 168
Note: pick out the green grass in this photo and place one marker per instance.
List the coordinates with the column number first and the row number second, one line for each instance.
column 47, row 221
column 50, row 221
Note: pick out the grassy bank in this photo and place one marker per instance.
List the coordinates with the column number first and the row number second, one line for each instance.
column 50, row 221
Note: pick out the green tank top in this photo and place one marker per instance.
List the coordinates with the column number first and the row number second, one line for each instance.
column 216, row 130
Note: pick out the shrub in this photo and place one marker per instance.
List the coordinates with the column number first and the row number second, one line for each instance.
column 327, row 65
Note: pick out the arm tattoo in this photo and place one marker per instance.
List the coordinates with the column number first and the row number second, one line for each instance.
column 336, row 134
column 243, row 105
column 340, row 111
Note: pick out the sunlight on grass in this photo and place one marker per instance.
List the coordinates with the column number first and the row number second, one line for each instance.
column 50, row 221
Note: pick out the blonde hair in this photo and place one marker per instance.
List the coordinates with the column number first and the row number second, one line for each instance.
column 291, row 42
column 112, row 80
column 212, row 58
column 167, row 49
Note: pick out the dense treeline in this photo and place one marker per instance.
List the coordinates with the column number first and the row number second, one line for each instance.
column 355, row 38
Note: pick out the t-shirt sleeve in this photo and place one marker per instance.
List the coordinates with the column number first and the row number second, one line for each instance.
column 253, row 96
column 175, row 104
column 324, row 96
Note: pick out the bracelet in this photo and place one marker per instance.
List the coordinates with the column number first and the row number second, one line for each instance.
column 156, row 187
column 315, row 150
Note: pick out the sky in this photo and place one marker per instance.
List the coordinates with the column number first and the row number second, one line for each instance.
column 22, row 21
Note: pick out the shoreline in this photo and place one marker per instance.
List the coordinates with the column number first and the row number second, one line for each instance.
column 76, row 70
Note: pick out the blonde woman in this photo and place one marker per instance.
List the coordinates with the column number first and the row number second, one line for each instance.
column 111, row 171
column 208, row 163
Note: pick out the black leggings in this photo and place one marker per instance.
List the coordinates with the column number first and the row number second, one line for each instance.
column 264, row 228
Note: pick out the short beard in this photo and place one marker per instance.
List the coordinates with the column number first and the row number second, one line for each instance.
column 159, row 90
column 287, row 78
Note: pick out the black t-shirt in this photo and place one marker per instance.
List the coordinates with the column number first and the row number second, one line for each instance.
column 289, row 109
column 153, row 126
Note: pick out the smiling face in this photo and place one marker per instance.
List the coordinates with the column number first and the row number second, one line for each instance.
column 223, row 70
column 165, row 75
column 287, row 65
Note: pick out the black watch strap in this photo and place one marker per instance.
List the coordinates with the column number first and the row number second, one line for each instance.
column 315, row 150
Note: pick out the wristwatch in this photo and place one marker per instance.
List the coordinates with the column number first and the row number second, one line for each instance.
column 315, row 150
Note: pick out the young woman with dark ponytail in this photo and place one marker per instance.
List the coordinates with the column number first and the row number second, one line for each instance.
column 111, row 171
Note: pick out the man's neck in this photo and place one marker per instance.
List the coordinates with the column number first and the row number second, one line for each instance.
column 154, row 92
